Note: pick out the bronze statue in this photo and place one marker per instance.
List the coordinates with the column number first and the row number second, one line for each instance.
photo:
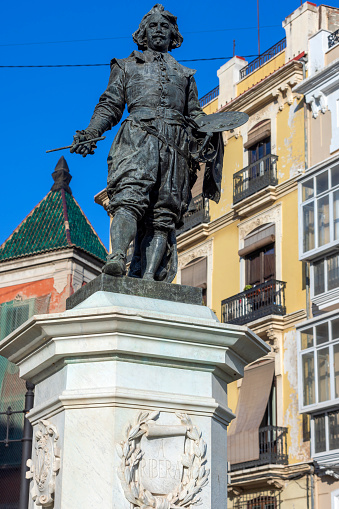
column 154, row 158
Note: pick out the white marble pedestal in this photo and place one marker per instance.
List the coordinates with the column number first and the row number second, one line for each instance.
column 111, row 359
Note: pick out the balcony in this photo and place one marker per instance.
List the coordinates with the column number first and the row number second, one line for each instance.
column 264, row 299
column 263, row 58
column 197, row 213
column 253, row 178
column 272, row 448
column 333, row 39
column 207, row 98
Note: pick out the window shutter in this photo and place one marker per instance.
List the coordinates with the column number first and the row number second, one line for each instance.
column 195, row 273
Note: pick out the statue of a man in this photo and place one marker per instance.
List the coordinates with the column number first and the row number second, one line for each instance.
column 150, row 168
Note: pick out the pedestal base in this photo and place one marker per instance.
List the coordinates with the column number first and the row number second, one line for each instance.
column 131, row 397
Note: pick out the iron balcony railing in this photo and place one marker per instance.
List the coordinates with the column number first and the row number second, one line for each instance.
column 264, row 299
column 333, row 38
column 272, row 448
column 263, row 58
column 209, row 97
column 255, row 177
column 197, row 213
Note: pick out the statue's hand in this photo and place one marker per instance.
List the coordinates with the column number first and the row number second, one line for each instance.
column 83, row 148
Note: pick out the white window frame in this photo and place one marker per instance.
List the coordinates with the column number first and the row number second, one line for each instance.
column 335, row 499
column 323, row 405
column 327, row 451
column 307, row 255
column 326, row 290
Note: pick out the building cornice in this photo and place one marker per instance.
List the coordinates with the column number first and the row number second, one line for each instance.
column 101, row 198
column 251, row 476
column 49, row 260
column 319, row 166
column 194, row 236
column 319, row 79
column 267, row 90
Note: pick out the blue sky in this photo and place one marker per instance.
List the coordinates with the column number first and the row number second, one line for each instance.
column 42, row 108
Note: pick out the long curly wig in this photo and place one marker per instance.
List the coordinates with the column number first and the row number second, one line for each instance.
column 139, row 37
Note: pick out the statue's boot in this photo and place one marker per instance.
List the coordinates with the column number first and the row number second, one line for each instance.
column 153, row 248
column 123, row 231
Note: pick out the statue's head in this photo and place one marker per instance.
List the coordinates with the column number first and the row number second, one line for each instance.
column 158, row 30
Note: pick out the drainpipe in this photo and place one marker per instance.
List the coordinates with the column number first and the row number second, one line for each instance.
column 312, row 486
column 26, row 448
column 304, row 61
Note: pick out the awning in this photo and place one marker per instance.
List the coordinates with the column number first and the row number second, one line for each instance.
column 257, row 239
column 195, row 274
column 243, row 434
column 256, row 245
column 258, row 133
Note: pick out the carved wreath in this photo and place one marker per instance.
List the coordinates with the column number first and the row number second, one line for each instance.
column 45, row 464
column 194, row 478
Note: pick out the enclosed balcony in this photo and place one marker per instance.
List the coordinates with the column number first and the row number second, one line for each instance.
column 272, row 448
column 197, row 213
column 258, row 175
column 264, row 299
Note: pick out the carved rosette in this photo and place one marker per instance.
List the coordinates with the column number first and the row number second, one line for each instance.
column 145, row 474
column 44, row 465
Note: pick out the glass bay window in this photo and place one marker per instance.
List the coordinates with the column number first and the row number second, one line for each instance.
column 320, row 210
column 325, row 274
column 319, row 356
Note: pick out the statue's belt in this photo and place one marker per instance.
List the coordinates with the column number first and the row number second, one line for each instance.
column 154, row 132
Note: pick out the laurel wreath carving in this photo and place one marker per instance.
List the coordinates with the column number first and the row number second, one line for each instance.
column 194, row 478
column 45, row 464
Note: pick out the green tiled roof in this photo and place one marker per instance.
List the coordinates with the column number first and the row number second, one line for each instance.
column 57, row 222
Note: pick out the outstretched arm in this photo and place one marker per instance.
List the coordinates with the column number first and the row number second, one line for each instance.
column 194, row 110
column 107, row 112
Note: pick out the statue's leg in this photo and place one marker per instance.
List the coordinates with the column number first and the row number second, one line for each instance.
column 123, row 231
column 153, row 248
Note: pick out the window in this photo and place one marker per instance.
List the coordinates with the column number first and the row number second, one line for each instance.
column 195, row 274
column 325, row 274
column 259, row 500
column 260, row 265
column 259, row 150
column 325, row 432
column 319, row 352
column 320, row 210
column 15, row 312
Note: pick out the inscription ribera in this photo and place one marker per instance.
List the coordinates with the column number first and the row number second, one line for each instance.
column 162, row 465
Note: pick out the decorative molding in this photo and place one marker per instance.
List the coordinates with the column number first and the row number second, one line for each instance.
column 273, row 338
column 276, row 484
column 318, row 102
column 102, row 199
column 271, row 215
column 44, row 466
column 196, row 234
column 291, row 319
column 120, row 397
column 222, row 222
column 47, row 265
column 185, row 473
column 204, row 249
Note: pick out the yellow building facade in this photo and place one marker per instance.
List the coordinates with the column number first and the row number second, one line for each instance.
column 244, row 253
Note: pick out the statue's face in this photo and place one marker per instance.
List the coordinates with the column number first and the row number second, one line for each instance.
column 158, row 33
